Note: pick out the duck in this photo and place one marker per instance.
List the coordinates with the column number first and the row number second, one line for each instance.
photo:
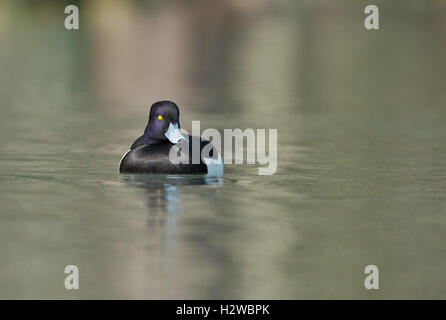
column 153, row 151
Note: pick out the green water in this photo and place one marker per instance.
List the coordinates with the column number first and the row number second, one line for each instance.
column 361, row 151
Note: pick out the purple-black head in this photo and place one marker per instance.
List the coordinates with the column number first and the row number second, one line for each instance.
column 164, row 123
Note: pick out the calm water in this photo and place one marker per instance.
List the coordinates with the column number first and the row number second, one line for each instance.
column 361, row 165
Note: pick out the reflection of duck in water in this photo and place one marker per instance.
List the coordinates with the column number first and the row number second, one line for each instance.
column 150, row 153
column 163, row 190
column 163, row 223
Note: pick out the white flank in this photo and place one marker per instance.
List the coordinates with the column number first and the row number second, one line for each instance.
column 214, row 166
column 123, row 158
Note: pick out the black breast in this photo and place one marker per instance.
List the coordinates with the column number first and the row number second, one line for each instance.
column 154, row 158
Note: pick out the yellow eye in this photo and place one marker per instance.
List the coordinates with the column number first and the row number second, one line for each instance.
column 160, row 117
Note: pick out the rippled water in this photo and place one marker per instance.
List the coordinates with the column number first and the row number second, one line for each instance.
column 361, row 164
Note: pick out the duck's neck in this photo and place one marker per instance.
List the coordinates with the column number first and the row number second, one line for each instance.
column 148, row 139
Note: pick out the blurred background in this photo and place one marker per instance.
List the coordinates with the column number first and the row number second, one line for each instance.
column 361, row 154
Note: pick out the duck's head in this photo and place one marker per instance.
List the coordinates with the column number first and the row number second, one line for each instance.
column 164, row 123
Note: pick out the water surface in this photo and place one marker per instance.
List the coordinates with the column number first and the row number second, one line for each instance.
column 361, row 165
